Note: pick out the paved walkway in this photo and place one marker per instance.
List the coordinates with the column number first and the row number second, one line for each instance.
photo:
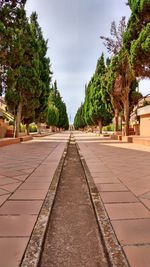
column 26, row 171
column 121, row 172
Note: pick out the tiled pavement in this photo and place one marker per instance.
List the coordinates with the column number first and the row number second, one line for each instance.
column 121, row 172
column 26, row 171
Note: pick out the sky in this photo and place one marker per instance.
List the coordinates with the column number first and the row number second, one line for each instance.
column 73, row 29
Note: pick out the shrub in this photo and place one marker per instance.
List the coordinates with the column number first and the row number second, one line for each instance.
column 32, row 128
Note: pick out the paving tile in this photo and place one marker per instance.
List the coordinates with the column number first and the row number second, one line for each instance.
column 116, row 197
column 146, row 202
column 127, row 211
column 138, row 256
column 10, row 187
column 146, row 195
column 16, row 226
column 31, row 185
column 112, row 187
column 3, row 199
column 105, row 179
column 21, row 207
column 10, row 173
column 4, row 181
column 43, row 179
column 3, row 192
column 132, row 231
column 29, row 194
column 11, row 251
column 22, row 177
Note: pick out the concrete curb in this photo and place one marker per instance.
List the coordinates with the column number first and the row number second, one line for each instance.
column 9, row 141
column 114, row 251
column 33, row 251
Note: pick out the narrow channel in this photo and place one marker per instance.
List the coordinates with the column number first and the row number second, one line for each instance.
column 73, row 238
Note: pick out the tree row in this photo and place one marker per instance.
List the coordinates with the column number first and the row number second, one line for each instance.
column 25, row 69
column 112, row 89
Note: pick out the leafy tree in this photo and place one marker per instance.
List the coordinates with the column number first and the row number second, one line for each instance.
column 23, row 73
column 95, row 110
column 56, row 99
column 79, row 122
column 121, row 77
column 87, row 104
column 137, row 37
column 9, row 10
column 52, row 116
column 44, row 70
column 99, row 110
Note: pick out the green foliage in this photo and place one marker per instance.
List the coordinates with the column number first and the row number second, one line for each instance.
column 44, row 70
column 32, row 128
column 22, row 128
column 79, row 121
column 52, row 116
column 137, row 37
column 26, row 75
column 109, row 127
column 55, row 99
column 96, row 109
column 140, row 52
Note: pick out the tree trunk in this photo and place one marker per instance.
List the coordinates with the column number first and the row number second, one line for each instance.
column 27, row 128
column 18, row 119
column 39, row 127
column 126, row 115
column 116, row 120
column 14, row 128
column 100, row 126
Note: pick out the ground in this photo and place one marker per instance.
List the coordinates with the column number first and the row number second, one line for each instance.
column 120, row 171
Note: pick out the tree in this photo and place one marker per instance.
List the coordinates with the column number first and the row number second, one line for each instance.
column 23, row 73
column 56, row 99
column 96, row 109
column 99, row 111
column 120, row 75
column 79, row 122
column 137, row 37
column 44, row 70
column 114, row 43
column 9, row 10
column 87, row 104
column 52, row 116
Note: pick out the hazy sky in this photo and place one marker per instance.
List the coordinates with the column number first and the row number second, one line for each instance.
column 73, row 28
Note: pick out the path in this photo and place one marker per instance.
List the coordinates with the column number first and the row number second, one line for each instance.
column 26, row 171
column 121, row 172
column 73, row 238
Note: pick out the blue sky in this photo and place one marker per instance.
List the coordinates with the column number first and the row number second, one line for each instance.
column 73, row 28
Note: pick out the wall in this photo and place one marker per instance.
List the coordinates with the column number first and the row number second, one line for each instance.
column 145, row 125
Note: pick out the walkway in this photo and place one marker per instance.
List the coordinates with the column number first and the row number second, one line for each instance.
column 72, row 238
column 26, row 171
column 121, row 172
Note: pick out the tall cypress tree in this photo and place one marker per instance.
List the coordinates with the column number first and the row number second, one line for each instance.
column 44, row 70
column 99, row 110
column 23, row 75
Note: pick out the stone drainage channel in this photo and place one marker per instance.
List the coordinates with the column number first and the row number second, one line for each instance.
column 67, row 233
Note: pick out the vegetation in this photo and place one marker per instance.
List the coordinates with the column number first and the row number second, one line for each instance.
column 112, row 90
column 57, row 107
column 96, row 109
column 25, row 70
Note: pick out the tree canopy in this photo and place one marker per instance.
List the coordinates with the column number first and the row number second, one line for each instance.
column 25, row 70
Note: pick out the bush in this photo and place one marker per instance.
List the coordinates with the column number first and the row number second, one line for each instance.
column 22, row 128
column 11, row 122
column 109, row 127
column 32, row 128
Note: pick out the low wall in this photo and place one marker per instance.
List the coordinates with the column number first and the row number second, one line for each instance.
column 3, row 130
column 144, row 114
